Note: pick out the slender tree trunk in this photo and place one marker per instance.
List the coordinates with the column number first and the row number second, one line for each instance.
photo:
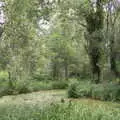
column 66, row 71
column 113, row 65
column 112, row 55
column 10, row 80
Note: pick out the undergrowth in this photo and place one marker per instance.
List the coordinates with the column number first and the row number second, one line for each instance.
column 62, row 111
column 106, row 91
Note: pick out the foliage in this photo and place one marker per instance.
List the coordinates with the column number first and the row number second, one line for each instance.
column 19, row 88
column 79, row 89
column 3, row 76
column 27, row 86
column 106, row 91
column 48, row 85
column 41, row 85
column 45, row 42
column 23, row 86
column 61, row 84
column 41, row 77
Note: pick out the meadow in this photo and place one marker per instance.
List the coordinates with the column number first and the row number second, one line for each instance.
column 54, row 105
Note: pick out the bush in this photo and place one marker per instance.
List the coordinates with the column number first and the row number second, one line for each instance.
column 41, row 85
column 48, row 85
column 107, row 92
column 60, row 84
column 41, row 77
column 23, row 86
column 79, row 89
column 6, row 91
column 27, row 86
column 72, row 90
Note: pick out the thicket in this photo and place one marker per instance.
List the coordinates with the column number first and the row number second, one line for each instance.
column 103, row 91
column 30, row 85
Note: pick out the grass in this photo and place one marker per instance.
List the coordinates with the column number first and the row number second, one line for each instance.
column 54, row 105
column 42, row 107
column 76, row 110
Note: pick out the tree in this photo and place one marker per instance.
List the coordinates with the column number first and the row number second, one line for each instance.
column 112, row 30
column 19, row 39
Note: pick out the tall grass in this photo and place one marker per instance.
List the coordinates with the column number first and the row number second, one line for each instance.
column 63, row 111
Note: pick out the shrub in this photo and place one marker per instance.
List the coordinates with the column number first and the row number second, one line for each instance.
column 23, row 89
column 60, row 84
column 79, row 89
column 48, row 85
column 41, row 77
column 6, row 91
column 23, row 86
column 99, row 92
column 41, row 85
column 26, row 86
column 107, row 92
column 72, row 90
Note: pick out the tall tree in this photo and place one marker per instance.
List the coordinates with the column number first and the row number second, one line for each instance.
column 94, row 21
column 19, row 39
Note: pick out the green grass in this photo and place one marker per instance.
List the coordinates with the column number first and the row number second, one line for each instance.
column 47, row 105
column 75, row 110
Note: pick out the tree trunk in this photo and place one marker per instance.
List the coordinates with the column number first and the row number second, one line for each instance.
column 66, row 71
column 94, row 25
column 96, row 70
column 10, row 81
column 113, row 65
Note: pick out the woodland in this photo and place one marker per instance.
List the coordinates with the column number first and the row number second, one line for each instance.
column 59, row 59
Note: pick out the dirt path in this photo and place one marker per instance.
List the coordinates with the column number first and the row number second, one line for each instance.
column 41, row 97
